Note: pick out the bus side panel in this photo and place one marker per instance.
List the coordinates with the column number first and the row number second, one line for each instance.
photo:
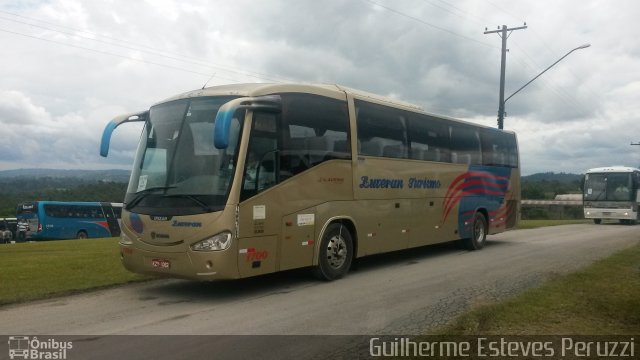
column 257, row 255
column 298, row 239
column 401, row 203
column 294, row 200
column 382, row 224
column 427, row 225
column 480, row 188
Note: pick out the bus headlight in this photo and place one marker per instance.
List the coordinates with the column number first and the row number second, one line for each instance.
column 217, row 242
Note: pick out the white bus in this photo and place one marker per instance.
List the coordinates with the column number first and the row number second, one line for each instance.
column 611, row 193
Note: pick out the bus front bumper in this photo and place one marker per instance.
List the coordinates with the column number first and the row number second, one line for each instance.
column 604, row 213
column 187, row 265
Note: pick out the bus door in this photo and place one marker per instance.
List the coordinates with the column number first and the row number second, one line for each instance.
column 112, row 220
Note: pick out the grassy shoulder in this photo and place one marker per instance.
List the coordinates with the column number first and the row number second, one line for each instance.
column 532, row 224
column 601, row 299
column 44, row 269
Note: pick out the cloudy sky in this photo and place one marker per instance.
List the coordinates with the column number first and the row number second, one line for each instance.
column 68, row 66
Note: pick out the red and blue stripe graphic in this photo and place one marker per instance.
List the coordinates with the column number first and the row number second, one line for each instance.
column 481, row 187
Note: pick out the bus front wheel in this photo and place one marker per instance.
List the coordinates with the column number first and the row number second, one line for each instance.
column 336, row 252
column 82, row 235
column 478, row 234
column 597, row 221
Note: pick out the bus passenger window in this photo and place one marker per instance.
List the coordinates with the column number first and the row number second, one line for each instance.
column 316, row 129
column 381, row 130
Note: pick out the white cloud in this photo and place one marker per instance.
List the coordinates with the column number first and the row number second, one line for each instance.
column 86, row 62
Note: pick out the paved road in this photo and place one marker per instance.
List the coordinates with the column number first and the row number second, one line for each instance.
column 400, row 293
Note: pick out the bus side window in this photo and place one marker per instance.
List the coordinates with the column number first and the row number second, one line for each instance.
column 465, row 145
column 429, row 138
column 382, row 130
column 315, row 129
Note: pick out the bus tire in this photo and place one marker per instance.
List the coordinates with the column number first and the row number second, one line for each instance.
column 478, row 233
column 335, row 254
column 82, row 235
column 597, row 221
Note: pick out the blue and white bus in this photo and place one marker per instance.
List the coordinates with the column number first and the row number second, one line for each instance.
column 57, row 220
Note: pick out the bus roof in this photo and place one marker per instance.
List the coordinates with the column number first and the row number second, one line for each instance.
column 613, row 169
column 328, row 90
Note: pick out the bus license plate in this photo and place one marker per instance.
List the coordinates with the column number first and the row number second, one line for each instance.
column 161, row 263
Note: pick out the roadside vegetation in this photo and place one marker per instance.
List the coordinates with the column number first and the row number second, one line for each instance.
column 601, row 299
column 37, row 270
column 532, row 224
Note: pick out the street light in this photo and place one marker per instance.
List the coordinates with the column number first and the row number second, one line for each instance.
column 501, row 108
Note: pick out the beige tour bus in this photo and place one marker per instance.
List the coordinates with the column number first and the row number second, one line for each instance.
column 241, row 180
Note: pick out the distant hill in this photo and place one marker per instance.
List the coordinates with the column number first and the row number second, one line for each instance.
column 114, row 175
column 562, row 178
column 17, row 186
column 545, row 186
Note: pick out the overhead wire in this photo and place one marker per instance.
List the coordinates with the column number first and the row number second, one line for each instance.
column 551, row 84
column 116, row 55
column 459, row 12
column 152, row 50
column 568, row 98
column 440, row 28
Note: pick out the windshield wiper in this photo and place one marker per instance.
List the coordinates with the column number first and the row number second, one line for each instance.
column 144, row 193
column 202, row 204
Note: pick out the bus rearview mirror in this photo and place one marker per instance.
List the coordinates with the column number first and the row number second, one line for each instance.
column 269, row 103
column 113, row 124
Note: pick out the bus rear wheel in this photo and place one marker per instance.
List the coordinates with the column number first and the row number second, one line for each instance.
column 336, row 252
column 82, row 235
column 478, row 233
column 597, row 221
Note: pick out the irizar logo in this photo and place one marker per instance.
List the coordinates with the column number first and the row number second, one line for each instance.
column 160, row 218
column 24, row 347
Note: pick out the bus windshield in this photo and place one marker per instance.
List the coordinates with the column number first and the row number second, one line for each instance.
column 177, row 169
column 608, row 187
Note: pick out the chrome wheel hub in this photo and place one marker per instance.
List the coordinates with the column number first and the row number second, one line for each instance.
column 336, row 252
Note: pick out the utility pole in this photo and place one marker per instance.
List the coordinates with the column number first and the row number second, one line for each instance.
column 502, row 32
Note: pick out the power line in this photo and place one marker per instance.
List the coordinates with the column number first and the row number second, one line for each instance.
column 154, row 51
column 116, row 55
column 515, row 17
column 428, row 24
column 544, row 43
column 566, row 97
column 463, row 15
column 569, row 69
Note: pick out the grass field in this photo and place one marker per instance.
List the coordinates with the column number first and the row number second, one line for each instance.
column 531, row 224
column 602, row 299
column 38, row 270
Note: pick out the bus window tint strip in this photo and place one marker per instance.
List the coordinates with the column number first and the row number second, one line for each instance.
column 395, row 133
